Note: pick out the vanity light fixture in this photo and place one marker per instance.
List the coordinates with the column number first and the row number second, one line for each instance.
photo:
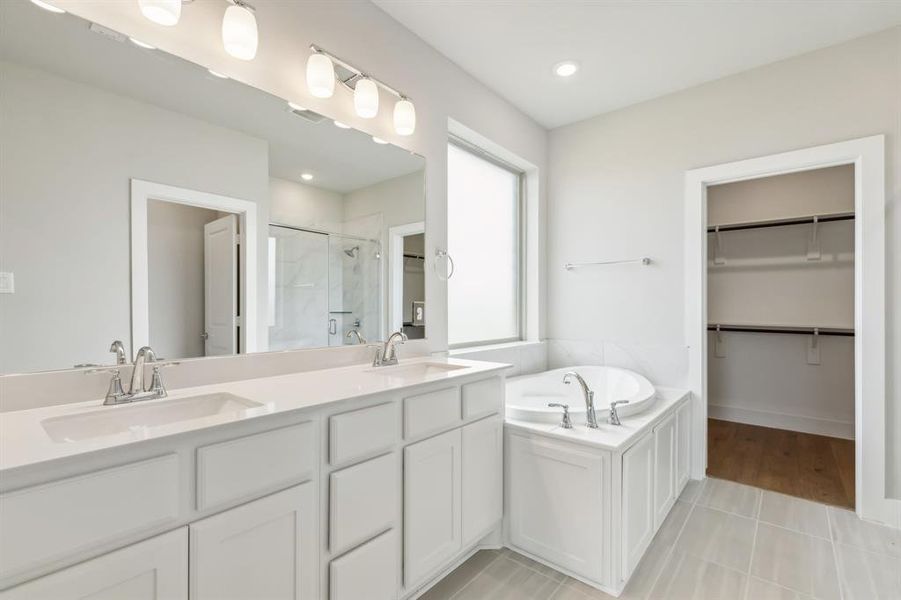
column 306, row 176
column 321, row 75
column 141, row 44
column 239, row 30
column 217, row 74
column 48, row 7
column 404, row 117
column 567, row 68
column 341, row 125
column 161, row 12
column 378, row 140
column 366, row 98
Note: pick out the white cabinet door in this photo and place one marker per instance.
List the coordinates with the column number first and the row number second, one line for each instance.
column 483, row 477
column 558, row 497
column 265, row 549
column 369, row 571
column 637, row 501
column 664, row 468
column 155, row 569
column 432, row 493
column 683, row 446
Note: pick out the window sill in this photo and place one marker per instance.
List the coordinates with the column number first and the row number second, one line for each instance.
column 488, row 347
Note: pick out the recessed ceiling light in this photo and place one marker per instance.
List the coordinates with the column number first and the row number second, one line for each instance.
column 46, row 6
column 217, row 74
column 141, row 44
column 306, row 176
column 342, row 125
column 566, row 68
column 378, row 140
column 296, row 106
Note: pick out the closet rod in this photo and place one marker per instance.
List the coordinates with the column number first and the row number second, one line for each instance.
column 788, row 330
column 781, row 222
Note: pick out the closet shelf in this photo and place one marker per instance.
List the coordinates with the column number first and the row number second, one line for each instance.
column 781, row 222
column 784, row 329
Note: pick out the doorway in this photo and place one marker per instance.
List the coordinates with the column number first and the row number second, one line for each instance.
column 867, row 155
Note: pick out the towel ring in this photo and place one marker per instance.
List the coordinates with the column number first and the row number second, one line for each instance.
column 450, row 264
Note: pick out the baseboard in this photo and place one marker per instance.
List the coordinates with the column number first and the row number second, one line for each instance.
column 812, row 425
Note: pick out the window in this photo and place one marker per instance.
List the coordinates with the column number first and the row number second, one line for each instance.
column 484, row 214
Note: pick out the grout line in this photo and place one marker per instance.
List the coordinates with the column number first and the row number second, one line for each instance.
column 838, row 574
column 477, row 573
column 753, row 546
column 672, row 549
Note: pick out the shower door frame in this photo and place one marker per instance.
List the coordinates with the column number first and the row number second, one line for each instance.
column 868, row 157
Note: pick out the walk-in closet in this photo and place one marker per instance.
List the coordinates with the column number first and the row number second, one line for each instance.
column 780, row 308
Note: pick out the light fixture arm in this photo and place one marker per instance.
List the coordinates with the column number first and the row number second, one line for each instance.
column 240, row 3
column 359, row 73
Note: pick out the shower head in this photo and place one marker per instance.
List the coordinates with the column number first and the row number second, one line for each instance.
column 352, row 252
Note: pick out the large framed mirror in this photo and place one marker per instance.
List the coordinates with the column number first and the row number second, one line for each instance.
column 146, row 199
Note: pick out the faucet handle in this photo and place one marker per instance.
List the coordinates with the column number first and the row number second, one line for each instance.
column 618, row 402
column 614, row 417
column 567, row 422
column 114, row 394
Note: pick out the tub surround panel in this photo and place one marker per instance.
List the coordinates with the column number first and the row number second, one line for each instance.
column 663, row 364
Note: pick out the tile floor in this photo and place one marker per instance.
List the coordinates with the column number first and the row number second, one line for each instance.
column 721, row 541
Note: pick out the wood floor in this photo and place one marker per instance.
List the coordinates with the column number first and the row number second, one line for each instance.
column 808, row 466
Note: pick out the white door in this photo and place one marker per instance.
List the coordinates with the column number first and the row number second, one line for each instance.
column 637, row 502
column 483, row 477
column 558, row 496
column 266, row 549
column 220, row 298
column 432, row 492
column 683, row 446
column 155, row 569
column 664, row 468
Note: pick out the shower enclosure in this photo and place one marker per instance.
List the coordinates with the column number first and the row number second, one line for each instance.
column 322, row 285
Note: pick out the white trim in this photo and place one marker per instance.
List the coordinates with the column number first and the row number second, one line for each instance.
column 141, row 192
column 764, row 418
column 868, row 157
column 396, row 236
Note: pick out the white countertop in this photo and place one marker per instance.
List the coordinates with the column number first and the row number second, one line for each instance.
column 24, row 441
column 608, row 437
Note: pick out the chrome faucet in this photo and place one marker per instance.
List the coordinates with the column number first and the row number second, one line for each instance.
column 386, row 355
column 118, row 348
column 137, row 391
column 590, row 414
column 614, row 417
column 145, row 354
column 355, row 333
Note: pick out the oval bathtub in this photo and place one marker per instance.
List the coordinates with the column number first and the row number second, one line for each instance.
column 528, row 396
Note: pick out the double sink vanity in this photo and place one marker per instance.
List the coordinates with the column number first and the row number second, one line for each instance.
column 347, row 483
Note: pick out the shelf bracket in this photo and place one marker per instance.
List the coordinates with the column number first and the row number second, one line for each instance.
column 813, row 243
column 813, row 347
column 718, row 247
column 719, row 344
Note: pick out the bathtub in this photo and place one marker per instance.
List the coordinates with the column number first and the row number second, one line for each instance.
column 528, row 396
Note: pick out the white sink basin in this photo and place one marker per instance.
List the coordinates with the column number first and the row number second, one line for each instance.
column 110, row 420
column 416, row 370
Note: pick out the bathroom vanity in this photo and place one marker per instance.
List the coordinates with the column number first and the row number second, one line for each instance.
column 588, row 502
column 346, row 483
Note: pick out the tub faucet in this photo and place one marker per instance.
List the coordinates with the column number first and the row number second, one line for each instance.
column 590, row 415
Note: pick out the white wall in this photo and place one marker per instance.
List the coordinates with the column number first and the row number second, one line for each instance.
column 87, row 139
column 301, row 205
column 176, row 277
column 617, row 191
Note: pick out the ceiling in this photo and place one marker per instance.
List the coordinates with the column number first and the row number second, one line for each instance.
column 629, row 51
column 341, row 160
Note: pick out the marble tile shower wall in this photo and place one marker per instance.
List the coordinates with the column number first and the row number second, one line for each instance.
column 526, row 357
column 661, row 364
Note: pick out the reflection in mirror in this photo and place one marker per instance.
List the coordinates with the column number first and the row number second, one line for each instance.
column 146, row 200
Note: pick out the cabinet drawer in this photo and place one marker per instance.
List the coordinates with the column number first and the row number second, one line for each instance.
column 361, row 433
column 254, row 465
column 363, row 501
column 431, row 412
column 47, row 523
column 368, row 572
column 483, row 398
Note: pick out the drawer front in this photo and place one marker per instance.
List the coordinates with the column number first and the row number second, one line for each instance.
column 361, row 433
column 254, row 465
column 47, row 523
column 363, row 501
column 370, row 571
column 483, row 398
column 427, row 413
